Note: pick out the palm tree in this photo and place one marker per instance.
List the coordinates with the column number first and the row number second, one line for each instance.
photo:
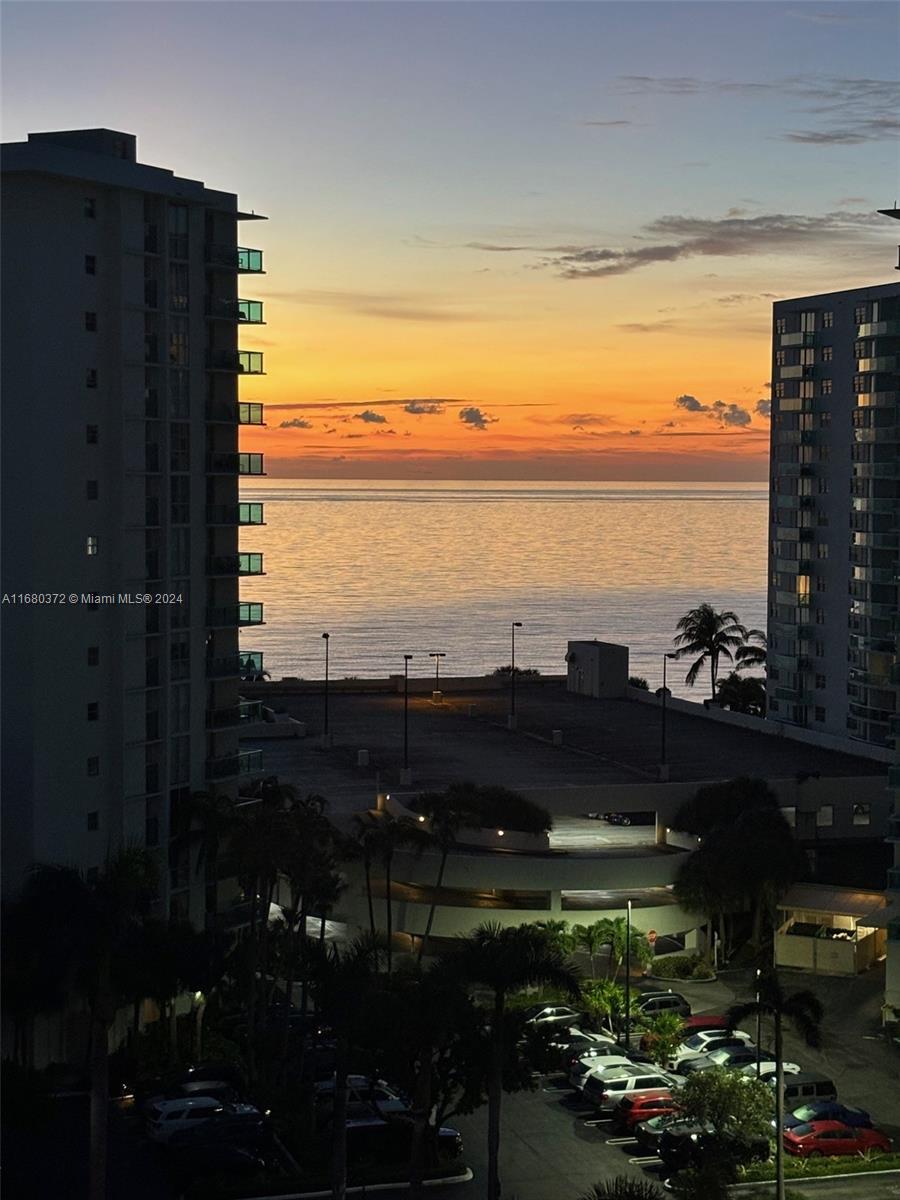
column 711, row 636
column 590, row 938
column 805, row 1012
column 362, row 844
column 445, row 818
column 558, row 935
column 623, row 1187
column 506, row 960
column 743, row 694
column 391, row 834
column 603, row 999
column 753, row 651
column 94, row 918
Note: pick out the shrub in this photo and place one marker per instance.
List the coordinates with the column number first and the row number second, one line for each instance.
column 639, row 682
column 803, row 1168
column 682, row 966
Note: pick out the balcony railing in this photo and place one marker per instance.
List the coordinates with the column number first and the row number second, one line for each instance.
column 236, row 414
column 241, row 362
column 885, row 362
column 250, row 312
column 251, row 711
column 251, row 664
column 231, row 514
column 246, row 762
column 244, row 613
column 244, row 312
column 226, row 462
column 250, row 564
column 250, row 262
column 878, row 329
column 250, row 414
column 235, row 258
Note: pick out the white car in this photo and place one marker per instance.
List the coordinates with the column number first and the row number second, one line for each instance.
column 553, row 1014
column 707, row 1041
column 595, row 1065
column 171, row 1116
column 361, row 1090
column 767, row 1069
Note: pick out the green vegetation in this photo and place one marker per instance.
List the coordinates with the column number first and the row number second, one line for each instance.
column 623, row 1187
column 811, row 1168
column 682, row 966
column 711, row 636
column 603, row 999
column 639, row 682
column 664, row 1034
column 485, row 808
column 743, row 694
column 521, row 672
column 732, row 1104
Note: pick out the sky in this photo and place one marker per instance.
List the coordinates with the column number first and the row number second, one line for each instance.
column 505, row 240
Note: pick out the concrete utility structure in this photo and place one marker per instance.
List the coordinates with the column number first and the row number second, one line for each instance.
column 598, row 669
column 120, row 474
column 835, row 513
column 829, row 930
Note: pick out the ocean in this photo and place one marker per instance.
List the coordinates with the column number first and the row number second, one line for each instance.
column 409, row 567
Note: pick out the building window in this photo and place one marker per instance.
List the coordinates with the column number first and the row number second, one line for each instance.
column 93, row 656
column 862, row 814
column 90, row 207
column 822, row 550
column 826, row 387
column 178, row 230
column 827, row 320
column 790, row 815
column 178, row 342
column 180, row 446
column 820, row 711
column 806, row 389
column 825, row 814
column 779, row 391
column 92, row 545
column 180, row 499
column 90, row 322
column 93, row 711
column 178, row 287
column 90, row 264
column 773, row 706
column 92, row 434
column 780, row 358
column 93, row 821
column 781, row 325
column 821, row 684
column 90, row 377
column 860, row 314
column 819, row 649
column 820, row 616
column 93, row 765
column 179, row 393
column 93, row 489
column 827, row 353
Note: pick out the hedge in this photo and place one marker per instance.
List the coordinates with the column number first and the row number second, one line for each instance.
column 809, row 1168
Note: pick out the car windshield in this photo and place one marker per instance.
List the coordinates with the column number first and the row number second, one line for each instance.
column 696, row 1041
column 806, row 1113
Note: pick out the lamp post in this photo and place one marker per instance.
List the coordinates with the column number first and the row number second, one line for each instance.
column 437, row 655
column 326, row 637
column 758, row 1025
column 512, row 674
column 663, row 761
column 406, row 658
column 627, row 973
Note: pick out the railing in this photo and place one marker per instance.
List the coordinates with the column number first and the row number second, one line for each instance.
column 236, row 258
column 250, row 312
column 250, row 414
column 246, row 762
column 250, row 262
column 226, row 462
column 250, row 564
column 241, row 362
column 244, row 312
column 250, row 613
column 251, row 711
column 251, row 664
column 243, row 613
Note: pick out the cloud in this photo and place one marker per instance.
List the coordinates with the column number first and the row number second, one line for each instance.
column 720, row 411
column 370, row 417
column 296, row 423
column 634, row 433
column 582, row 419
column 607, row 124
column 852, row 201
column 646, row 327
column 763, row 408
column 746, row 297
column 847, row 110
column 475, row 418
column 423, row 408
column 683, row 237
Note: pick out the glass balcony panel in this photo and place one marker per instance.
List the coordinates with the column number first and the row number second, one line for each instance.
column 251, row 564
column 250, row 362
column 251, row 464
column 251, row 514
column 250, row 312
column 250, row 414
column 250, row 613
column 249, row 262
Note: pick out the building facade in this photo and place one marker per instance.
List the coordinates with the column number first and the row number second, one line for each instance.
column 121, row 464
column 834, row 513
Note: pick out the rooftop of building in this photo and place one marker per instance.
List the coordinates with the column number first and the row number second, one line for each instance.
column 605, row 742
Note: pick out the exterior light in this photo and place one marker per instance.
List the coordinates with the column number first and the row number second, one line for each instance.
column 499, row 833
column 421, row 820
column 198, row 997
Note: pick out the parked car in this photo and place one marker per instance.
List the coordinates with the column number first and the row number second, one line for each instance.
column 805, row 1087
column 648, row 1134
column 251, row 1130
column 171, row 1116
column 387, row 1141
column 707, row 1041
column 362, row 1090
column 828, row 1110
column 552, row 1014
column 733, row 1057
column 606, row 1089
column 680, row 1149
column 699, row 1024
column 620, row 818
column 570, row 1045
column 583, row 1067
column 653, row 1004
column 834, row 1138
column 643, row 1106
column 768, row 1069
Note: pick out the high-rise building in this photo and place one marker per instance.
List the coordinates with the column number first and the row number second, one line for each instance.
column 835, row 513
column 121, row 510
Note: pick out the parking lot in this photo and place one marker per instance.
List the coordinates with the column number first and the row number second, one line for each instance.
column 552, row 1147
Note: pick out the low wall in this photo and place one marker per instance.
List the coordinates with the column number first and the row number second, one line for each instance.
column 418, row 686
column 491, row 839
column 795, row 733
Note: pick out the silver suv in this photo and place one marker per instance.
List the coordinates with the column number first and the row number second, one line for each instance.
column 604, row 1091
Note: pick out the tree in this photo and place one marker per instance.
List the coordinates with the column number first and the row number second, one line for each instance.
column 743, row 694
column 664, row 1034
column 558, row 934
column 711, row 636
column 623, row 1187
column 735, row 1110
column 362, row 845
column 604, row 1000
column 93, row 917
column 805, row 1012
column 506, row 960
column 639, row 682
column 614, row 933
column 590, row 938
column 445, row 819
column 753, row 651
column 721, row 804
column 392, row 834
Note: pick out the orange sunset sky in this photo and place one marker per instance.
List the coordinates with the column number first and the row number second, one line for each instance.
column 536, row 240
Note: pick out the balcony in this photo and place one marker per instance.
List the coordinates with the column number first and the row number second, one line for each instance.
column 250, row 312
column 250, row 414
column 223, row 718
column 884, row 363
column 251, row 665
column 241, row 362
column 250, row 564
column 236, row 414
column 231, row 514
column 224, row 668
column 226, row 462
column 244, row 312
column 235, row 258
column 797, row 339
column 251, row 711
column 246, row 762
column 223, row 564
column 793, row 372
column 230, row 615
column 878, row 329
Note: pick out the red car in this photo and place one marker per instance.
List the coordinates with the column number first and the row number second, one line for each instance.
column 833, row 1138
column 699, row 1024
column 643, row 1106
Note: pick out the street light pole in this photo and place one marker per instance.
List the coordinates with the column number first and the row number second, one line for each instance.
column 758, row 1025
column 437, row 655
column 512, row 674
column 627, row 973
column 327, row 637
column 406, row 658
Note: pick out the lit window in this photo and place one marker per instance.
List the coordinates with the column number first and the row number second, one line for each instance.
column 827, row 353
column 93, row 546
column 827, row 320
column 826, row 387
column 862, row 814
column 790, row 815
